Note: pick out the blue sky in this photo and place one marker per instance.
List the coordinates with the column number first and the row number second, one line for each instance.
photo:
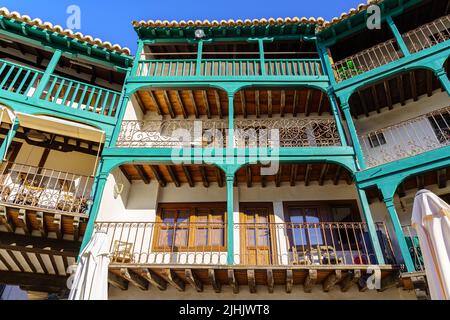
column 111, row 20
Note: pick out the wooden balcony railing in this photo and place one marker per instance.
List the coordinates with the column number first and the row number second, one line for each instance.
column 261, row 244
column 228, row 68
column 58, row 90
column 407, row 138
column 428, row 35
column 46, row 189
column 295, row 132
column 412, row 240
column 19, row 79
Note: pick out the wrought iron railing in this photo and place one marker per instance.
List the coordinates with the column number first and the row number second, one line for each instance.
column 412, row 240
column 19, row 79
column 367, row 60
column 428, row 35
column 295, row 132
column 82, row 96
column 408, row 138
column 260, row 244
column 40, row 188
column 228, row 67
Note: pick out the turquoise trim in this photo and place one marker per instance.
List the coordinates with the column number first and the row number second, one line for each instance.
column 230, row 219
column 398, row 36
column 8, row 139
column 48, row 72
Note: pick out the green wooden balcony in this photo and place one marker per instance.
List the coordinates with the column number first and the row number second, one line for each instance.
column 25, row 83
column 226, row 68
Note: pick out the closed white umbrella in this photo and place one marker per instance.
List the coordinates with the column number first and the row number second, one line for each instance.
column 91, row 277
column 431, row 219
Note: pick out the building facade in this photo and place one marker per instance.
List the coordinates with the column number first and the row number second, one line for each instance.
column 256, row 159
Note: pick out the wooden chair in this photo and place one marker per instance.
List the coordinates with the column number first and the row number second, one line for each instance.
column 122, row 252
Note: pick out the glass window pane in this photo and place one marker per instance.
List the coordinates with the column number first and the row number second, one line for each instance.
column 217, row 237
column 263, row 237
column 201, row 237
column 181, row 237
column 165, row 238
column 251, row 237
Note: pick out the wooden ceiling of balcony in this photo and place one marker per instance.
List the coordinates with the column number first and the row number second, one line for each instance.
column 193, row 175
column 438, row 178
column 250, row 102
column 396, row 90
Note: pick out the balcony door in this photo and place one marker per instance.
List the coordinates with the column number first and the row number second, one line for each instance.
column 257, row 233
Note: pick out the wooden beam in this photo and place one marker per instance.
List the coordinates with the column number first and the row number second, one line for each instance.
column 214, row 282
column 332, row 279
column 219, row 107
column 387, row 91
column 5, row 262
column 401, row 89
column 206, row 102
column 308, row 103
column 173, row 176
column 295, row 103
column 390, row 281
column 155, row 102
column 180, row 102
column 263, row 181
column 308, row 174
column 17, row 241
column 282, row 102
column 363, row 103
column 278, row 176
column 158, row 176
column 289, row 280
column 204, row 175
column 125, row 173
column 76, row 229
column 188, row 176
column 51, row 282
column 351, row 278
column 193, row 280
column 154, row 279
column 220, row 180
column 376, row 102
column 270, row 281
column 323, row 174
column 251, row 281
column 243, row 105
column 442, row 178
column 140, row 103
column 117, row 281
column 169, row 104
column 321, row 103
column 23, row 218
column 142, row 174
column 5, row 220
column 429, row 83
column 134, row 278
column 401, row 190
column 257, row 109
column 310, row 281
column 269, row 103
column 53, row 263
column 294, row 173
column 232, row 281
column 248, row 172
column 412, row 79
column 420, row 182
column 174, row 280
column 337, row 175
column 42, row 225
column 194, row 104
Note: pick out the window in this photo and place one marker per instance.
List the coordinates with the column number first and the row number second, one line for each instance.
column 376, row 139
column 440, row 122
column 185, row 227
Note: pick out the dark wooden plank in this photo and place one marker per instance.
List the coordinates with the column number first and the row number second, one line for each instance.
column 269, row 103
column 387, row 90
column 142, row 174
column 412, row 79
column 323, row 174
column 308, row 103
column 155, row 102
column 350, row 279
column 169, row 104
column 154, row 279
column 117, row 281
column 244, row 107
column 442, row 178
column 282, row 103
column 219, row 107
column 188, row 176
column 162, row 182
column 310, row 281
column 321, row 103
column 331, row 280
column 337, row 176
column 232, row 281
column 294, row 172
column 401, row 89
column 289, row 280
column 180, row 102
column 363, row 103
column 251, row 281
column 270, row 281
column 204, row 175
column 5, row 262
column 429, row 83
column 248, row 173
column 134, row 278
column 173, row 176
column 219, row 176
column 193, row 280
column 308, row 174
column 214, row 281
column 194, row 104
column 206, row 102
column 376, row 102
column 174, row 280
column 50, row 282
column 257, row 104
column 5, row 220
column 295, row 103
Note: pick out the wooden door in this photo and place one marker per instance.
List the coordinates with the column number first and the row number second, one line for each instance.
column 257, row 235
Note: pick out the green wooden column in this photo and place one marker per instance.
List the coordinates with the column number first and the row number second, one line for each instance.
column 8, row 139
column 389, row 201
column 441, row 74
column 353, row 134
column 262, row 59
column 337, row 118
column 398, row 36
column 47, row 74
column 230, row 218
column 230, row 120
column 371, row 226
column 198, row 70
column 99, row 188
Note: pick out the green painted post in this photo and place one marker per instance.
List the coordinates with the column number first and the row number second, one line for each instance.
column 93, row 212
column 325, row 58
column 371, row 226
column 48, row 72
column 230, row 120
column 398, row 36
column 353, row 134
column 337, row 118
column 118, row 127
column 262, row 60
column 137, row 58
column 8, row 139
column 230, row 219
column 399, row 234
column 441, row 74
column 198, row 69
